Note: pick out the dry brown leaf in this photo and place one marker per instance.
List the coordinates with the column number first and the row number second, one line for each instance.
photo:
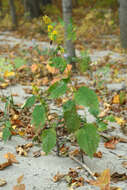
column 111, row 144
column 34, row 67
column 5, row 164
column 58, row 177
column 19, row 187
column 19, row 180
column 10, row 156
column 98, row 154
column 103, row 181
column 2, row 182
column 52, row 70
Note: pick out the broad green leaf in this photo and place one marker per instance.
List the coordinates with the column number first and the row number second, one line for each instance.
column 110, row 118
column 88, row 139
column 59, row 63
column 6, row 131
column 19, row 62
column 87, row 97
column 101, row 126
column 29, row 102
column 70, row 116
column 57, row 89
column 48, row 140
column 39, row 116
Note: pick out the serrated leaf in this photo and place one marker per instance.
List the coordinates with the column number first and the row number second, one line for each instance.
column 57, row 89
column 6, row 131
column 88, row 139
column 87, row 97
column 48, row 140
column 29, row 102
column 39, row 116
column 70, row 116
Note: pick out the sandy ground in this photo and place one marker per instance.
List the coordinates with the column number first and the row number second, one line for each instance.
column 39, row 172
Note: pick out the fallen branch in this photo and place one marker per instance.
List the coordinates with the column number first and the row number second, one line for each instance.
column 83, row 166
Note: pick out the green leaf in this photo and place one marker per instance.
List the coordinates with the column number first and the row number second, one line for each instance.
column 88, row 139
column 39, row 116
column 70, row 116
column 59, row 63
column 110, row 118
column 19, row 62
column 101, row 126
column 48, row 140
column 29, row 102
column 57, row 89
column 87, row 97
column 6, row 131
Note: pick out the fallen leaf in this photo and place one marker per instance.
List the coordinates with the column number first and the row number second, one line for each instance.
column 120, row 121
column 116, row 99
column 116, row 177
column 98, row 154
column 10, row 156
column 34, row 67
column 9, row 74
column 2, row 182
column 111, row 144
column 5, row 164
column 75, row 152
column 52, row 70
column 103, row 181
column 58, row 177
column 19, row 180
column 3, row 85
column 19, row 187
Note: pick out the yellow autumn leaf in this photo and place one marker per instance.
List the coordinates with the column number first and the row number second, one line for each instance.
column 119, row 120
column 103, row 181
column 3, row 85
column 34, row 67
column 11, row 157
column 116, row 99
column 9, row 74
column 52, row 70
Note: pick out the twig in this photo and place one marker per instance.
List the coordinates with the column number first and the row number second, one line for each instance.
column 83, row 166
column 107, row 137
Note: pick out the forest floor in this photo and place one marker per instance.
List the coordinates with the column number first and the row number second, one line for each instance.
column 107, row 76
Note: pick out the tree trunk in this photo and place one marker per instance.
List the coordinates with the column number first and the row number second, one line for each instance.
column 32, row 7
column 123, row 22
column 67, row 17
column 13, row 12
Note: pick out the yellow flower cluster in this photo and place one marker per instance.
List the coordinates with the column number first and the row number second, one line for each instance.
column 52, row 33
column 50, row 28
column 46, row 19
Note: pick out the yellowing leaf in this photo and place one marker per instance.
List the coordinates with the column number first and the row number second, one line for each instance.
column 9, row 74
column 52, row 70
column 11, row 157
column 103, row 181
column 19, row 180
column 68, row 69
column 116, row 99
column 119, row 120
column 34, row 68
column 3, row 85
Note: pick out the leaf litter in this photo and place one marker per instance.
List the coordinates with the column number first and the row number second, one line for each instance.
column 117, row 103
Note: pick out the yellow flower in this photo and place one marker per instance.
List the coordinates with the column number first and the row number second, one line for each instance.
column 61, row 50
column 46, row 19
column 54, row 32
column 50, row 28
